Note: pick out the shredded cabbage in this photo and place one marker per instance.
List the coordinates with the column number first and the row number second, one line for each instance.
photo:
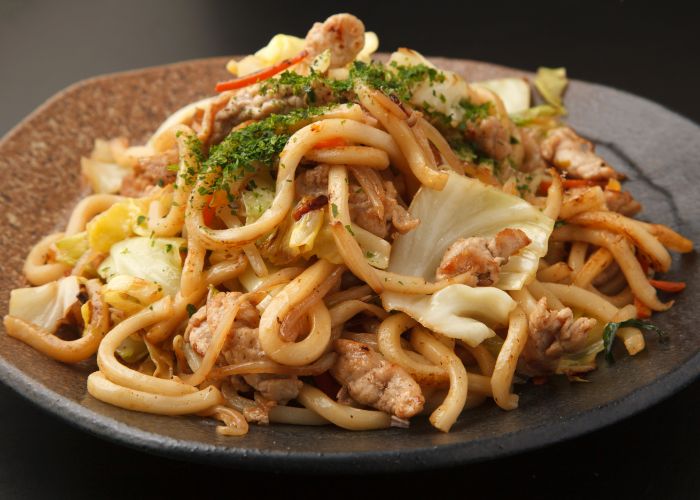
column 153, row 259
column 370, row 47
column 551, row 83
column 457, row 311
column 283, row 46
column 514, row 92
column 103, row 177
column 130, row 294
column 258, row 198
column 104, row 170
column 305, row 230
column 70, row 248
column 442, row 96
column 114, row 224
column 531, row 114
column 133, row 349
column 464, row 208
column 580, row 362
column 46, row 305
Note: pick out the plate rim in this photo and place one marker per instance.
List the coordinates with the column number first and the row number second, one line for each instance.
column 373, row 461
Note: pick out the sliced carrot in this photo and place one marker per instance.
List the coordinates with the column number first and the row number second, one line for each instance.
column 333, row 142
column 218, row 199
column 208, row 214
column 643, row 312
column 214, row 201
column 668, row 286
column 259, row 76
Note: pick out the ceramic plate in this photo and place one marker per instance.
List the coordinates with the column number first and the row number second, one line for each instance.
column 40, row 179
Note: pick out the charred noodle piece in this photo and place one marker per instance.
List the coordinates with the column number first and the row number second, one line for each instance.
column 507, row 361
column 100, row 387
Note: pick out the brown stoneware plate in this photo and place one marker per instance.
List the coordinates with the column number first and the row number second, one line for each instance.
column 40, row 183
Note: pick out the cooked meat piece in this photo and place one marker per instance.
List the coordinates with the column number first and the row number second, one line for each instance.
column 622, row 202
column 242, row 344
column 481, row 257
column 150, row 171
column 552, row 334
column 575, row 155
column 204, row 322
column 532, row 158
column 343, row 34
column 373, row 381
column 198, row 331
column 250, row 104
column 312, row 182
column 508, row 242
column 364, row 212
column 491, row 136
column 279, row 388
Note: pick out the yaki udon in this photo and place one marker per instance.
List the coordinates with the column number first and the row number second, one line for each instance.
column 334, row 239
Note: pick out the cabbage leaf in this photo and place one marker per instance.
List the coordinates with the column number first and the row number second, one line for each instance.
column 551, row 84
column 153, row 259
column 443, row 95
column 70, row 248
column 130, row 294
column 465, row 208
column 114, row 224
column 457, row 311
column 514, row 92
column 46, row 305
column 132, row 349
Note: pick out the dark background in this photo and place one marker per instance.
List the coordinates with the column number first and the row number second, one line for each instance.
column 650, row 50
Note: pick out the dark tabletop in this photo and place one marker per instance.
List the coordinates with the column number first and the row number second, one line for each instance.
column 650, row 51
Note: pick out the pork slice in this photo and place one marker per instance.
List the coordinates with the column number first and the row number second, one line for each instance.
column 575, row 155
column 150, row 171
column 491, row 136
column 622, row 202
column 552, row 334
column 481, row 257
column 373, row 381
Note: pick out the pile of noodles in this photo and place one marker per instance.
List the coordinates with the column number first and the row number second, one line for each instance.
column 307, row 304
